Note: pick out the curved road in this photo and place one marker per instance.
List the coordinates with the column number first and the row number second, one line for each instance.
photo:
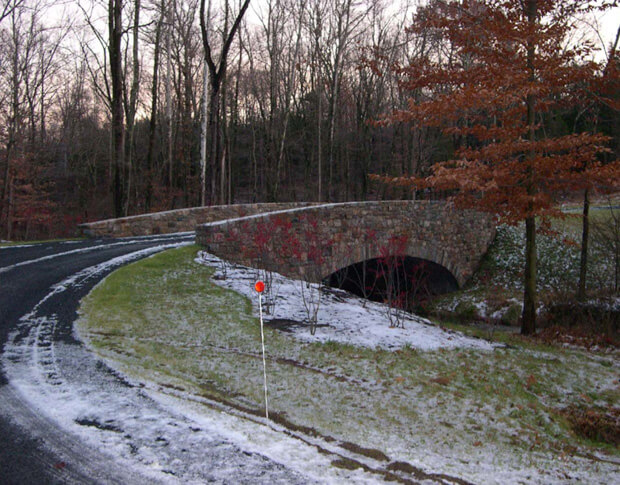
column 65, row 417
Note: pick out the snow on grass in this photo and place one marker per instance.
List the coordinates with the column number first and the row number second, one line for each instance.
column 342, row 317
column 266, row 439
column 149, row 439
column 558, row 259
column 495, row 293
column 488, row 416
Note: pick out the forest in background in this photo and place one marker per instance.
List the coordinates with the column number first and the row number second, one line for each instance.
column 123, row 107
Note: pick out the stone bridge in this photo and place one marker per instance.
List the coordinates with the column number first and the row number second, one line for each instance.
column 179, row 220
column 314, row 242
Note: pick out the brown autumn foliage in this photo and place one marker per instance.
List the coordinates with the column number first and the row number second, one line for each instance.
column 29, row 207
column 479, row 96
column 596, row 424
column 509, row 67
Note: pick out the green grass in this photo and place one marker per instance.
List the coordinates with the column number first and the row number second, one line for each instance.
column 497, row 286
column 163, row 320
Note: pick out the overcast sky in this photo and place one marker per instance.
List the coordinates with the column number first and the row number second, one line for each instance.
column 606, row 24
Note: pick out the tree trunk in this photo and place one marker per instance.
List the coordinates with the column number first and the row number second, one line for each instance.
column 585, row 233
column 203, row 137
column 214, row 137
column 217, row 74
column 118, row 129
column 319, row 144
column 332, row 131
column 10, row 209
column 528, row 318
column 221, row 119
column 148, row 196
column 234, row 124
column 170, row 16
column 131, row 106
column 12, row 128
column 5, row 189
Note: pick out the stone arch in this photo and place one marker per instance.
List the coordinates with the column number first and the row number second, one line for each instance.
column 419, row 279
column 435, row 231
column 343, row 260
column 415, row 248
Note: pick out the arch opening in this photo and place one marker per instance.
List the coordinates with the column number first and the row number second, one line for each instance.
column 401, row 281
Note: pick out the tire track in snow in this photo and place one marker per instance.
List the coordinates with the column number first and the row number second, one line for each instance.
column 82, row 250
column 101, row 428
column 63, row 383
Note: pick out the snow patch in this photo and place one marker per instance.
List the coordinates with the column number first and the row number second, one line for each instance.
column 153, row 437
column 342, row 317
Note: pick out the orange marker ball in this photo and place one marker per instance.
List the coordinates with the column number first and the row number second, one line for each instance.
column 259, row 286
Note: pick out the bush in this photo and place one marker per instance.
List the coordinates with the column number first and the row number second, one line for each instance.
column 602, row 425
column 466, row 310
column 596, row 317
column 512, row 315
column 606, row 241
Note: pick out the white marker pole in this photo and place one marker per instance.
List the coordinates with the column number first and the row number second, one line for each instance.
column 260, row 286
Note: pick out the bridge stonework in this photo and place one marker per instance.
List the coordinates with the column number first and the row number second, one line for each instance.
column 179, row 220
column 348, row 233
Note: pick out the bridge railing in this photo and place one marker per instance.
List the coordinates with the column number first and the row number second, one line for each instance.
column 180, row 220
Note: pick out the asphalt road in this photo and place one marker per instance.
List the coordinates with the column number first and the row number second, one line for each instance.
column 50, row 385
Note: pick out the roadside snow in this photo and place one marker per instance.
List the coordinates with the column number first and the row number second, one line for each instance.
column 120, row 242
column 154, row 438
column 13, row 246
column 342, row 317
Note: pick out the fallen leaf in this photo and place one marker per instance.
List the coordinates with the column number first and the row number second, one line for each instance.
column 531, row 380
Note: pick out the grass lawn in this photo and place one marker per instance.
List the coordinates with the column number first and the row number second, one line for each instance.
column 465, row 413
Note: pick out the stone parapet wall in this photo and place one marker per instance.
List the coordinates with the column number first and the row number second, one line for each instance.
column 348, row 233
column 181, row 220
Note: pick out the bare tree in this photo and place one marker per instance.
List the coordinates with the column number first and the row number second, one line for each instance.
column 8, row 7
column 345, row 19
column 274, row 71
column 115, row 29
column 217, row 74
column 606, row 236
column 169, row 9
column 148, row 196
column 28, row 83
column 131, row 103
column 21, row 77
column 585, row 227
column 187, row 56
column 205, row 114
column 16, row 49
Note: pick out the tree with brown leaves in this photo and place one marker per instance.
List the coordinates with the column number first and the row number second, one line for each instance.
column 509, row 66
